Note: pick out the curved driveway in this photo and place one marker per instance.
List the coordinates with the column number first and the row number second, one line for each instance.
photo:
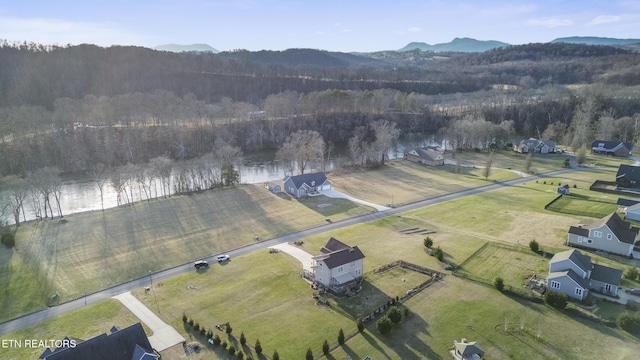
column 38, row 316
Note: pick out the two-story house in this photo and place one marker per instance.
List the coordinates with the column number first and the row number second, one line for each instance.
column 338, row 264
column 610, row 234
column 574, row 274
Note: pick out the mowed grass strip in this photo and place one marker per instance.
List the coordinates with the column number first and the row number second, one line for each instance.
column 83, row 324
column 582, row 205
column 90, row 251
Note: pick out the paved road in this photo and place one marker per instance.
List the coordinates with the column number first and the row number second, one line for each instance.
column 36, row 317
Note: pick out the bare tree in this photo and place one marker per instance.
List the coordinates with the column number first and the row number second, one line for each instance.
column 46, row 182
column 302, row 148
column 99, row 174
column 386, row 134
column 17, row 189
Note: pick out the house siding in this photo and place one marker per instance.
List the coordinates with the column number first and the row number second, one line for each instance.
column 601, row 287
column 613, row 246
column 567, row 286
column 567, row 265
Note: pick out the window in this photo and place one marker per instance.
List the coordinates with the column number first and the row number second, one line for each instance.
column 597, row 234
column 353, row 263
column 589, row 241
column 579, row 291
column 357, row 272
column 608, row 287
column 340, row 269
column 555, row 285
column 580, row 239
column 609, row 236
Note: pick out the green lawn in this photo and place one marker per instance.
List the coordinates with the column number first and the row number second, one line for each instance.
column 581, row 205
column 85, row 323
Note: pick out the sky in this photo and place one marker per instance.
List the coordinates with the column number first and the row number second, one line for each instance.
column 346, row 25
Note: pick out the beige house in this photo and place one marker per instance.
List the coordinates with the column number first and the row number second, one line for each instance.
column 428, row 156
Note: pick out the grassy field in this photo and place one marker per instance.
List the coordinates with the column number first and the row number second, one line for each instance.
column 90, row 251
column 83, row 324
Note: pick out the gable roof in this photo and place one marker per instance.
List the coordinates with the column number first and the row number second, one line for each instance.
column 120, row 345
column 338, row 253
column 629, row 172
column 626, row 202
column 578, row 230
column 582, row 261
column 466, row 348
column 313, row 179
column 621, row 229
column 606, row 274
column 426, row 153
column 583, row 283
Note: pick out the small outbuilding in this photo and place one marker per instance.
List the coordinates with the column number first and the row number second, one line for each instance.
column 466, row 350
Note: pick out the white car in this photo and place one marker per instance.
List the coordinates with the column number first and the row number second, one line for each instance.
column 222, row 258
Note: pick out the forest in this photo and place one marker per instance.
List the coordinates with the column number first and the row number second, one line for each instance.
column 95, row 110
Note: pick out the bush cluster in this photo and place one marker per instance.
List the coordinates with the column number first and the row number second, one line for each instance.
column 8, row 240
column 557, row 300
column 629, row 322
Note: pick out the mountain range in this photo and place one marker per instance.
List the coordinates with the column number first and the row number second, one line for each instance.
column 465, row 45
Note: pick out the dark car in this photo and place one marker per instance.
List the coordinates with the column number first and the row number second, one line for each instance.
column 200, row 264
column 633, row 291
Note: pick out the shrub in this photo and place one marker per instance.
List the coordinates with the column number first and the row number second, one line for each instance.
column 196, row 326
column 384, row 325
column 184, row 318
column 499, row 284
column 406, row 312
column 203, row 331
column 232, row 350
column 629, row 322
column 567, row 163
column 575, row 186
column 227, row 328
column 216, row 340
column 8, row 240
column 340, row 337
column 243, row 340
column 309, row 355
column 360, row 325
column 258, row 347
column 224, row 344
column 534, row 246
column 325, row 347
column 275, row 355
column 428, row 242
column 191, row 322
column 438, row 253
column 631, row 273
column 240, row 354
column 394, row 315
column 557, row 300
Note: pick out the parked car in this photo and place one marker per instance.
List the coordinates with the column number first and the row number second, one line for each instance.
column 200, row 264
column 633, row 291
column 222, row 258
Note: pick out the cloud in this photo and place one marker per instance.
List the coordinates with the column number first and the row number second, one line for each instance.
column 604, row 19
column 551, row 22
column 63, row 32
column 414, row 29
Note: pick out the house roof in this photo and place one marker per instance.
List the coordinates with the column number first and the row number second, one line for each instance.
column 622, row 229
column 584, row 283
column 583, row 261
column 578, row 231
column 466, row 348
column 426, row 153
column 313, row 179
column 338, row 253
column 606, row 274
column 629, row 172
column 119, row 345
column 626, row 202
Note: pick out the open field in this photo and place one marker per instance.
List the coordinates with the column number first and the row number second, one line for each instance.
column 506, row 159
column 85, row 323
column 90, row 251
column 401, row 182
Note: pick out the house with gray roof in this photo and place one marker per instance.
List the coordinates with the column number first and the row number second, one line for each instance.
column 130, row 343
column 574, row 274
column 613, row 148
column 339, row 264
column 533, row 145
column 466, row 350
column 301, row 185
column 610, row 234
column 628, row 177
column 431, row 156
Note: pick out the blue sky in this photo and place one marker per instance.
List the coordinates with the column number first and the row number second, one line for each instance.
column 347, row 25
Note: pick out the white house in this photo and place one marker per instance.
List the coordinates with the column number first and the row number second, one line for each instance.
column 338, row 264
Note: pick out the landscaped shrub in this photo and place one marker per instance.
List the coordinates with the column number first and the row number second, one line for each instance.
column 406, row 312
column 191, row 322
column 360, row 325
column 325, row 347
column 227, row 328
column 203, row 331
column 184, row 317
column 534, row 246
column 631, row 273
column 8, row 240
column 240, row 354
column 232, row 350
column 557, row 300
column 428, row 242
column 243, row 340
column 394, row 314
column 224, row 344
column 384, row 325
column 196, row 326
column 275, row 355
column 340, row 337
column 499, row 284
column 258, row 348
column 216, row 340
column 629, row 322
column 309, row 355
column 438, row 253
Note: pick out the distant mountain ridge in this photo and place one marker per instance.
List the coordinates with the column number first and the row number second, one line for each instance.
column 457, row 45
column 186, row 48
column 595, row 40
